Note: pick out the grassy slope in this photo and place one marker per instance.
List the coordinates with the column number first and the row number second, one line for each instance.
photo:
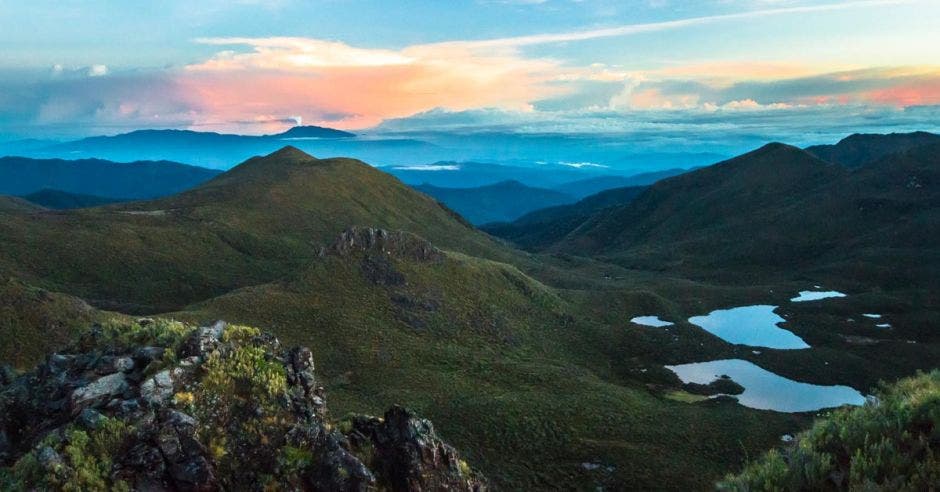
column 505, row 368
column 56, row 199
column 35, row 322
column 256, row 223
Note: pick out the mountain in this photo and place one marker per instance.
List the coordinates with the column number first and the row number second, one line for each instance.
column 781, row 209
column 135, row 180
column 60, row 200
column 860, row 149
column 590, row 186
column 221, row 150
column 252, row 224
column 159, row 405
column 312, row 132
column 498, row 202
column 541, row 228
column 401, row 302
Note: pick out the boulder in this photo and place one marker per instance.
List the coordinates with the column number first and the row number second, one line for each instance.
column 159, row 389
column 98, row 392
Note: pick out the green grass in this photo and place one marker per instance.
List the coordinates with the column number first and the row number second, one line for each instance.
column 503, row 367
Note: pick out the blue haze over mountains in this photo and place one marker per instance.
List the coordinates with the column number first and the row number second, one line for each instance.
column 412, row 157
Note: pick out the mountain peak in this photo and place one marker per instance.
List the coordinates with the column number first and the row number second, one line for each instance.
column 311, row 131
column 290, row 152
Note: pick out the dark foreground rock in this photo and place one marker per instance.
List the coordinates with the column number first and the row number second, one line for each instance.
column 157, row 405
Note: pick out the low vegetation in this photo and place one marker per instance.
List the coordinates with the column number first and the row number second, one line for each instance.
column 891, row 443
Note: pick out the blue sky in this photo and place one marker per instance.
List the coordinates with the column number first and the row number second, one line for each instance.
column 772, row 67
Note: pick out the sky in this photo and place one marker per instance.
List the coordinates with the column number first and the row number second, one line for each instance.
column 776, row 68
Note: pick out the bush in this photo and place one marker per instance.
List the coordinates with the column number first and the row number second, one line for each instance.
column 891, row 443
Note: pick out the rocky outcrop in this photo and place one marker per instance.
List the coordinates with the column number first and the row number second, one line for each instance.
column 396, row 243
column 157, row 405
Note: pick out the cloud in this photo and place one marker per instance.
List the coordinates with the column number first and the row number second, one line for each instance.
column 97, row 70
column 262, row 84
column 630, row 29
column 319, row 77
column 429, row 167
column 579, row 165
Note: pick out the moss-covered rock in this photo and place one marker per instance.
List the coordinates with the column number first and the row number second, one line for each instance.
column 159, row 405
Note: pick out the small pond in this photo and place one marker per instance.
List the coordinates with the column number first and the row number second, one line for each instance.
column 815, row 295
column 653, row 321
column 749, row 325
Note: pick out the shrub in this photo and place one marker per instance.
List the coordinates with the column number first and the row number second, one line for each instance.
column 891, row 443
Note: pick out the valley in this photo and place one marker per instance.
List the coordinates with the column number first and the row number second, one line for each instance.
column 534, row 357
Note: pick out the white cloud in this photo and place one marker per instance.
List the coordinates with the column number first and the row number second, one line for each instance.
column 97, row 70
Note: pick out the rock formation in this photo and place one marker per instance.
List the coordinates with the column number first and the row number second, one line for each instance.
column 159, row 405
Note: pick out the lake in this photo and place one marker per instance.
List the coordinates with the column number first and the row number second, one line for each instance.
column 765, row 390
column 756, row 326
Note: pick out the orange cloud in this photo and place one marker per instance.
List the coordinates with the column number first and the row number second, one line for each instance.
column 917, row 93
column 360, row 87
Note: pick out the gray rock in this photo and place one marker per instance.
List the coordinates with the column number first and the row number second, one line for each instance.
column 203, row 340
column 123, row 364
column 90, row 418
column 4, row 445
column 146, row 355
column 157, row 390
column 49, row 459
column 7, row 375
column 58, row 363
column 98, row 391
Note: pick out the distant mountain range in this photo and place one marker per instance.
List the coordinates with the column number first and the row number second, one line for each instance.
column 583, row 157
column 498, row 202
column 105, row 179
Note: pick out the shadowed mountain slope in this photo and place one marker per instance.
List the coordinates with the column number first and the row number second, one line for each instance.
column 780, row 208
column 498, row 202
column 541, row 228
column 63, row 200
column 861, row 149
column 590, row 186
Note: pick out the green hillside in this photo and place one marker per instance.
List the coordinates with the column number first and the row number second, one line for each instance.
column 63, row 200
column 258, row 222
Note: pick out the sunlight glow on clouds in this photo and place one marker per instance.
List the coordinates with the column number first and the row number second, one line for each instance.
column 543, row 80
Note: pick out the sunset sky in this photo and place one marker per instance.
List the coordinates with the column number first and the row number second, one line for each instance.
column 75, row 68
